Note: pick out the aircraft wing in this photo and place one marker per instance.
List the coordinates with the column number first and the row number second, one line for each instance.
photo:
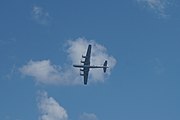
column 87, row 62
column 88, row 56
column 86, row 73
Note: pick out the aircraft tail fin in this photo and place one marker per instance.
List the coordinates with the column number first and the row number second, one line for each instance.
column 105, row 66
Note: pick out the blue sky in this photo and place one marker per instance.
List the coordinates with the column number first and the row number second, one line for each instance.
column 40, row 40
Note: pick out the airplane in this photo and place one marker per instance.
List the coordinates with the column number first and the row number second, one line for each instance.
column 86, row 65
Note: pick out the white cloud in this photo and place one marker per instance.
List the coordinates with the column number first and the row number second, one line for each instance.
column 40, row 15
column 50, row 108
column 43, row 71
column 88, row 116
column 158, row 6
column 47, row 73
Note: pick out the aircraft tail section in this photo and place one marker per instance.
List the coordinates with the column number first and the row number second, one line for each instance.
column 105, row 66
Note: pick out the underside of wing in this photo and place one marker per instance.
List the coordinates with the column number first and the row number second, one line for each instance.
column 88, row 55
column 86, row 73
column 85, row 79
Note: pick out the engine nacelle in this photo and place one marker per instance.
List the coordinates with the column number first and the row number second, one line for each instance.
column 83, row 56
column 81, row 69
column 82, row 61
column 81, row 74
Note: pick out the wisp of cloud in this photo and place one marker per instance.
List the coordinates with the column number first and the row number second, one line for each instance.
column 40, row 15
column 158, row 6
column 88, row 116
